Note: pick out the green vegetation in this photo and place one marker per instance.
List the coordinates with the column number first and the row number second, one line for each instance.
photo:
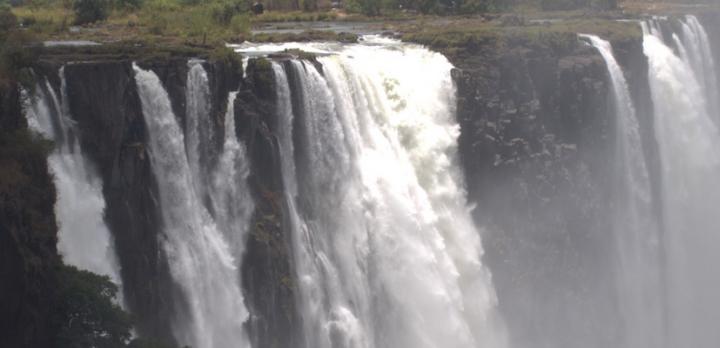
column 16, row 54
column 90, row 11
column 468, row 38
column 210, row 23
column 296, row 16
column 168, row 21
column 86, row 312
column 311, row 35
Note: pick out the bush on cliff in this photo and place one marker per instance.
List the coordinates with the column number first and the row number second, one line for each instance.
column 128, row 4
column 87, row 314
column 8, row 21
column 224, row 11
column 17, row 54
column 90, row 11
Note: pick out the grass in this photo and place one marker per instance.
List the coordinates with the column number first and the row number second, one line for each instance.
column 469, row 36
column 208, row 24
column 311, row 35
column 45, row 20
column 297, row 16
column 157, row 21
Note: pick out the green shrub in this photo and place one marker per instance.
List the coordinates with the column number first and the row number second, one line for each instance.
column 128, row 4
column 8, row 21
column 240, row 24
column 86, row 313
column 223, row 12
column 90, row 11
column 17, row 56
column 366, row 7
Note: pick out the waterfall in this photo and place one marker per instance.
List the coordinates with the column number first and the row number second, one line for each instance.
column 386, row 252
column 634, row 227
column 688, row 142
column 84, row 240
column 202, row 249
column 231, row 198
column 696, row 49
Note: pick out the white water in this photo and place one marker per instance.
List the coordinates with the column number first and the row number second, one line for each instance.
column 689, row 149
column 231, row 199
column 198, row 128
column 84, row 240
column 386, row 251
column 203, row 251
column 636, row 234
column 698, row 53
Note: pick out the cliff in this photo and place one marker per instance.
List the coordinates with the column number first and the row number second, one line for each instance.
column 105, row 105
column 28, row 255
column 535, row 127
column 536, row 145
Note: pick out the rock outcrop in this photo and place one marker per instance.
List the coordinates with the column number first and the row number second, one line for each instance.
column 28, row 232
column 537, row 135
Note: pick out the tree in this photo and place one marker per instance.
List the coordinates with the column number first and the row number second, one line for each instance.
column 86, row 313
column 90, row 11
column 8, row 21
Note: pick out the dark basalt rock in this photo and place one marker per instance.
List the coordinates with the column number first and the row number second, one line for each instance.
column 536, row 133
column 104, row 102
column 28, row 232
column 268, row 276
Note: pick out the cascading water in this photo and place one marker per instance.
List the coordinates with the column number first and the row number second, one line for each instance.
column 84, row 240
column 635, row 229
column 695, row 50
column 386, row 252
column 202, row 249
column 688, row 142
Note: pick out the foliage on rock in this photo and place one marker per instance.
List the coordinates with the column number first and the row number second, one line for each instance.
column 87, row 313
column 91, row 11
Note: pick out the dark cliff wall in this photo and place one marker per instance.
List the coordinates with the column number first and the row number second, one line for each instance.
column 28, row 256
column 104, row 102
column 103, row 99
column 536, row 146
column 268, row 275
column 537, row 135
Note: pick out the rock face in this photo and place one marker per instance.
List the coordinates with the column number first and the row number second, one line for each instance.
column 534, row 125
column 537, row 135
column 267, row 267
column 113, row 135
column 28, row 256
column 104, row 103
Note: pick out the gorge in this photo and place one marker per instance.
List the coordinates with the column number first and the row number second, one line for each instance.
column 385, row 193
